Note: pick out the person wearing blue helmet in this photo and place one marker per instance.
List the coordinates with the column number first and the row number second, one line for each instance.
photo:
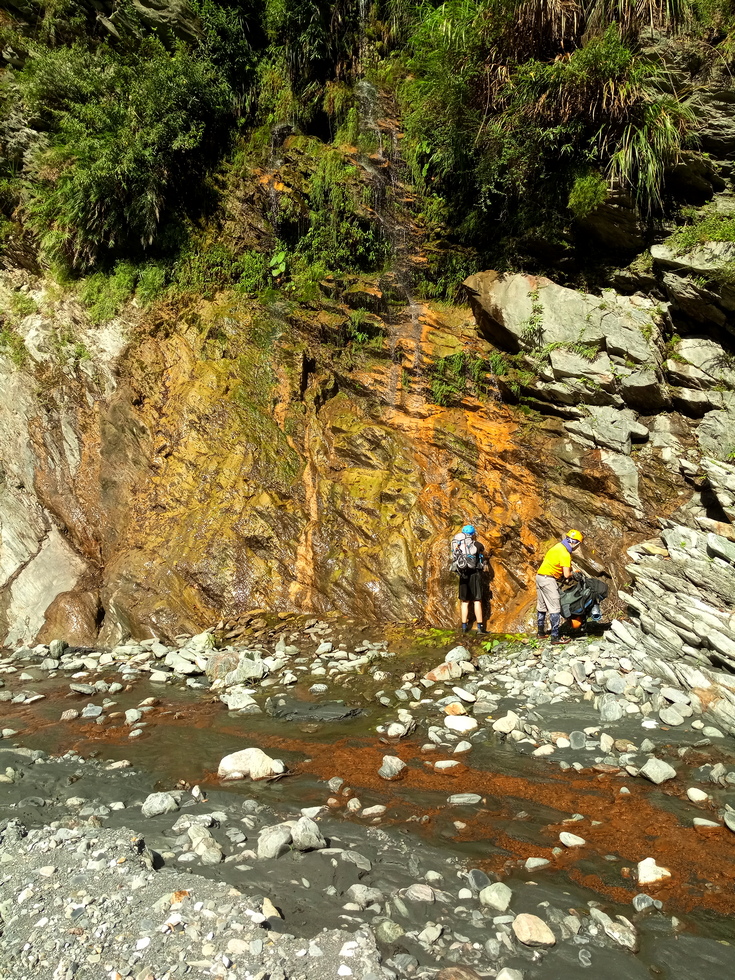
column 468, row 560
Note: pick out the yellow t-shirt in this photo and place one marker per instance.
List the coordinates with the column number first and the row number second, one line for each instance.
column 555, row 560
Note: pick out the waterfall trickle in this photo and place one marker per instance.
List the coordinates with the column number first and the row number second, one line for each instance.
column 380, row 158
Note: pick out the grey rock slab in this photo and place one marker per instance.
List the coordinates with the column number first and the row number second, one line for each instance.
column 571, row 840
column 658, row 771
column 464, row 799
column 729, row 819
column 158, row 803
column 535, row 863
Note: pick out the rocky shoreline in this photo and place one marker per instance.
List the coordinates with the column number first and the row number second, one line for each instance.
column 483, row 892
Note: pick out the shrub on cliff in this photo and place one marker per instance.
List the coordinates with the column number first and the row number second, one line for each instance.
column 128, row 143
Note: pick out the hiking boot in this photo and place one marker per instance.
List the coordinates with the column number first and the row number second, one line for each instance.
column 542, row 636
column 481, row 628
column 465, row 627
column 557, row 641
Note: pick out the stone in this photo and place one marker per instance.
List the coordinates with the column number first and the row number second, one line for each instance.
column 464, row 695
column 507, row 974
column 564, row 677
column 649, row 873
column 610, row 709
column 535, row 863
column 460, row 723
column 658, row 771
column 419, row 893
column 577, row 740
column 307, row 836
column 507, row 724
column 251, row 762
column 249, row 667
column 431, row 933
column 445, row 672
column 158, row 803
column 571, row 840
column 392, row 767
column 457, row 655
column 729, row 818
column 374, row 811
column 237, row 699
column 362, row 895
column 464, row 799
column 532, row 931
column 387, row 931
column 273, row 841
column 697, row 795
column 671, row 716
column 496, row 896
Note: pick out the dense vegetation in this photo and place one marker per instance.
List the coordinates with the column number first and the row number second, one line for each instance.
column 121, row 128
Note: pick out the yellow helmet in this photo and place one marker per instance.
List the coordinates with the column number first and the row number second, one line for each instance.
column 575, row 535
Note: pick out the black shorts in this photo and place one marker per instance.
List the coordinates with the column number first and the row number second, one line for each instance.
column 470, row 587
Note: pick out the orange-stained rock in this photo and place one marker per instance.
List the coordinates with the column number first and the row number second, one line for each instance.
column 230, row 459
column 72, row 616
column 455, row 708
column 445, row 672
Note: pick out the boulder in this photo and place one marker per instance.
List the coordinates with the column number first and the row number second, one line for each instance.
column 642, row 391
column 698, row 303
column 273, row 841
column 220, row 663
column 307, row 836
column 650, row 873
column 252, row 762
column 158, row 803
column 658, row 771
column 532, row 931
column 249, row 667
column 496, row 896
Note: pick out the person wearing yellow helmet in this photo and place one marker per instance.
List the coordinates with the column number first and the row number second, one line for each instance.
column 557, row 565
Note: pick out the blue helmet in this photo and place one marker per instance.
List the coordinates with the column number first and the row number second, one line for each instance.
column 468, row 529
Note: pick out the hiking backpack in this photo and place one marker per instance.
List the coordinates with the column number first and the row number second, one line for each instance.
column 465, row 560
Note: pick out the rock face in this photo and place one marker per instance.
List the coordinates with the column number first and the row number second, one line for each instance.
column 682, row 606
column 148, row 495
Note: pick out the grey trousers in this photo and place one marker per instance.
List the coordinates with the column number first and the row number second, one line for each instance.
column 547, row 594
